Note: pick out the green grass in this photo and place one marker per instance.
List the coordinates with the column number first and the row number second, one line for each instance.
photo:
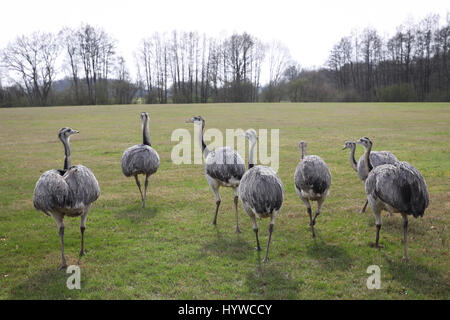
column 171, row 251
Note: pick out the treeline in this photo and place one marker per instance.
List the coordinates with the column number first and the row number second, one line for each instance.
column 412, row 65
column 188, row 67
column 185, row 67
column 180, row 67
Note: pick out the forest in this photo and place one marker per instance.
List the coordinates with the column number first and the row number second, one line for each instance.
column 81, row 66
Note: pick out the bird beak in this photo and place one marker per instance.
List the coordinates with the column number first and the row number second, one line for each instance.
column 189, row 121
column 345, row 147
column 76, row 131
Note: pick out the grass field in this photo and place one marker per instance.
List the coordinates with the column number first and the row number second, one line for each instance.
column 171, row 251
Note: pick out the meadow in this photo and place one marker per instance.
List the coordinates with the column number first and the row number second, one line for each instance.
column 170, row 250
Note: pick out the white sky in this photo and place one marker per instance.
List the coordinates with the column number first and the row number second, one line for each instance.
column 308, row 28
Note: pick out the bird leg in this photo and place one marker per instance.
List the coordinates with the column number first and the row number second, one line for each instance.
column 82, row 241
column 82, row 228
column 61, row 236
column 237, row 217
column 145, row 189
column 217, row 211
column 139, row 186
column 319, row 208
column 364, row 207
column 255, row 229
column 315, row 217
column 215, row 189
column 378, row 237
column 311, row 223
column 405, row 237
column 268, row 241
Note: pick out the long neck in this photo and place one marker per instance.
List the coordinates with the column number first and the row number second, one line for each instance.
column 352, row 158
column 367, row 162
column 205, row 150
column 251, row 152
column 145, row 133
column 67, row 160
column 303, row 151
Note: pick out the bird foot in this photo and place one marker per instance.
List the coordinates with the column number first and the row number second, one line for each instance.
column 377, row 246
column 82, row 253
column 238, row 230
column 62, row 267
column 265, row 259
column 405, row 258
column 258, row 248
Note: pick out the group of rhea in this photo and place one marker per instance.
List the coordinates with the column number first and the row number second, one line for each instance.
column 389, row 184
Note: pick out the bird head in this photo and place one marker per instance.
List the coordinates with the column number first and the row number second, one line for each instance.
column 195, row 119
column 251, row 135
column 144, row 116
column 302, row 144
column 348, row 144
column 365, row 142
column 66, row 132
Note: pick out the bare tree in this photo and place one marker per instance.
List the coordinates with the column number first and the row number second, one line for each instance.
column 96, row 50
column 31, row 59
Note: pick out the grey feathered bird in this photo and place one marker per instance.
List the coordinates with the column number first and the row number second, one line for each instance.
column 312, row 181
column 224, row 167
column 141, row 158
column 261, row 192
column 377, row 158
column 397, row 187
column 68, row 192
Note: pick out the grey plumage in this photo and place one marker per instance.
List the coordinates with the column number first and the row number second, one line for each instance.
column 223, row 167
column 312, row 181
column 377, row 158
column 68, row 192
column 141, row 158
column 261, row 192
column 397, row 187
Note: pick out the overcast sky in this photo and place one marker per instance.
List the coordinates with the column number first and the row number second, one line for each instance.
column 308, row 28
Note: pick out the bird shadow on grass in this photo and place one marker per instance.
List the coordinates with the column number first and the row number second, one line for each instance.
column 394, row 224
column 48, row 284
column 223, row 245
column 419, row 278
column 329, row 257
column 270, row 281
column 137, row 213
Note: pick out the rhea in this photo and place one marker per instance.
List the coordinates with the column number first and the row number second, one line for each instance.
column 397, row 187
column 377, row 158
column 261, row 192
column 67, row 192
column 141, row 158
column 312, row 181
column 224, row 167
